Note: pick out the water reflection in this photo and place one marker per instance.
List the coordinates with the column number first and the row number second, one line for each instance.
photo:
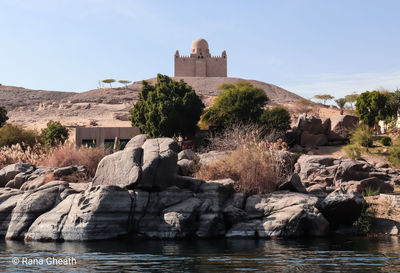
column 308, row 255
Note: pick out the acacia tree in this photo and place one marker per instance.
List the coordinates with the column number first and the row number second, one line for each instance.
column 3, row 116
column 341, row 103
column 239, row 103
column 166, row 109
column 371, row 107
column 351, row 98
column 124, row 82
column 324, row 97
column 109, row 81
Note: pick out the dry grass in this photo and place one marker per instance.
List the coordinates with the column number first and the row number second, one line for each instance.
column 20, row 154
column 69, row 154
column 251, row 162
column 61, row 156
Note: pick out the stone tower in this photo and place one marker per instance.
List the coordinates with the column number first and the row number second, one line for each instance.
column 200, row 63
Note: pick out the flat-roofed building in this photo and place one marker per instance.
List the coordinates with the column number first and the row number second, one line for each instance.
column 99, row 136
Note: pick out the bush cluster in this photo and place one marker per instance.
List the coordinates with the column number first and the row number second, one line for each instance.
column 251, row 162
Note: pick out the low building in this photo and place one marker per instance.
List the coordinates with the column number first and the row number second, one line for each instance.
column 99, row 136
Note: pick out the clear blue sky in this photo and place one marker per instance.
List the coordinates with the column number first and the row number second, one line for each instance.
column 308, row 47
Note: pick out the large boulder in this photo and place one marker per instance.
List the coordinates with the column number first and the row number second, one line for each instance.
column 314, row 169
column 31, row 205
column 342, row 208
column 210, row 157
column 186, row 167
column 160, row 158
column 311, row 124
column 308, row 139
column 8, row 200
column 353, row 170
column 121, row 168
column 101, row 212
column 293, row 184
column 341, row 127
column 281, row 214
column 9, row 172
column 137, row 141
column 368, row 184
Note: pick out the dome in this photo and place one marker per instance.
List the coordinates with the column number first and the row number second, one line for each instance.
column 200, row 46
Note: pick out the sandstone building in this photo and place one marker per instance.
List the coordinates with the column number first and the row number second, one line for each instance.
column 200, row 63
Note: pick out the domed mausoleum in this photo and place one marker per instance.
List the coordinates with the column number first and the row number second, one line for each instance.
column 200, row 63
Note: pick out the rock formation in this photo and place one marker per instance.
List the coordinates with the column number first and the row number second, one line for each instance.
column 136, row 193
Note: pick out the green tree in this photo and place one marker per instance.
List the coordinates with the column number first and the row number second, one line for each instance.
column 341, row 103
column 3, row 116
column 11, row 134
column 240, row 103
column 393, row 104
column 351, row 98
column 168, row 108
column 324, row 97
column 275, row 120
column 54, row 134
column 371, row 106
column 124, row 82
column 109, row 81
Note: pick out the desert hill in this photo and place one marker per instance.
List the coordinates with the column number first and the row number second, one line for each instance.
column 204, row 86
column 12, row 97
column 108, row 106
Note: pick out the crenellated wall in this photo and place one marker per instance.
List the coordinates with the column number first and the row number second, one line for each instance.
column 197, row 67
column 200, row 63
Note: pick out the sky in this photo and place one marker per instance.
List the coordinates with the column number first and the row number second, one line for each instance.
column 305, row 46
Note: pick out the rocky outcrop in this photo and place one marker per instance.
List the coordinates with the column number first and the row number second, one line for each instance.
column 281, row 214
column 136, row 192
column 353, row 175
column 341, row 127
column 151, row 166
column 187, row 162
column 342, row 207
column 101, row 212
column 10, row 172
column 312, row 131
column 30, row 206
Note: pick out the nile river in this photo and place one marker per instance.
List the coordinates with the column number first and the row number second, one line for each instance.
column 350, row 254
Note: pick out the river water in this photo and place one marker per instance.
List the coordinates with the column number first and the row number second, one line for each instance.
column 344, row 254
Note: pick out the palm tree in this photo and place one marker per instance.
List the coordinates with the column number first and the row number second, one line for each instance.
column 341, row 103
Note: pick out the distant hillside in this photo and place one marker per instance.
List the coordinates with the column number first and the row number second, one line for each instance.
column 12, row 97
column 108, row 106
column 204, row 86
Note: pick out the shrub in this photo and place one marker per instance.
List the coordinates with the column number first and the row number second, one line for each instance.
column 275, row 120
column 11, row 134
column 251, row 162
column 394, row 156
column 168, row 108
column 254, row 170
column 3, row 116
column 370, row 192
column 352, row 151
column 362, row 135
column 240, row 103
column 364, row 222
column 69, row 154
column 386, row 141
column 55, row 133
